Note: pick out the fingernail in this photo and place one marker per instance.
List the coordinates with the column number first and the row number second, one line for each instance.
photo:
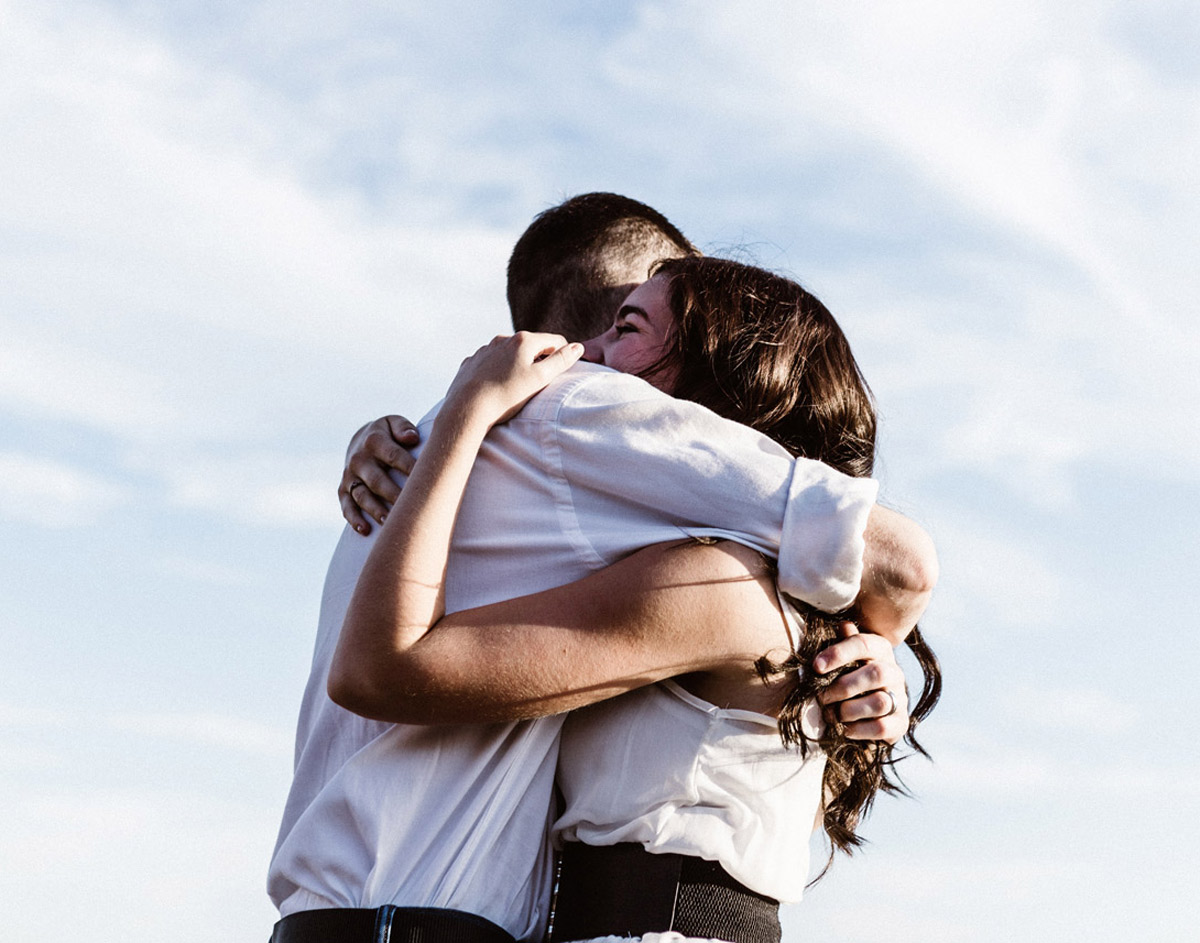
column 819, row 664
column 409, row 434
column 382, row 518
column 361, row 528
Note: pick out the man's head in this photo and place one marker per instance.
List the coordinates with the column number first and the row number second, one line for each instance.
column 576, row 262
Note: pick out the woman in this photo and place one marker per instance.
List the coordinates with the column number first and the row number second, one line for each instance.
column 756, row 349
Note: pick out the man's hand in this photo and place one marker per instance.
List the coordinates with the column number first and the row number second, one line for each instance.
column 366, row 488
column 872, row 700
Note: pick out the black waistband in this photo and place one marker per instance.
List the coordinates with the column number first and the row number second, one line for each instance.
column 624, row 890
column 387, row 924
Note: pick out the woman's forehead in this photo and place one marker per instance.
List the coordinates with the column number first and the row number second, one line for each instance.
column 651, row 297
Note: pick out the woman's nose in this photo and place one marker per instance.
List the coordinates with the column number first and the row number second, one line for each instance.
column 593, row 350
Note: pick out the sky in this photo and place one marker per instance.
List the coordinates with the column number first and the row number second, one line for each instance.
column 231, row 233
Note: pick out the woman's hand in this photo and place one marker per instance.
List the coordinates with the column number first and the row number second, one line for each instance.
column 367, row 489
column 498, row 379
column 495, row 382
column 872, row 700
column 400, row 594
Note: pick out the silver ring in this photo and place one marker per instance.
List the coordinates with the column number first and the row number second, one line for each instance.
column 888, row 692
column 350, row 490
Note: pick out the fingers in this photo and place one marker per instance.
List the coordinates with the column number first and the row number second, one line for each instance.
column 368, row 499
column 538, row 343
column 386, row 445
column 350, row 511
column 501, row 377
column 873, row 675
column 367, row 490
column 373, row 471
column 872, row 699
column 857, row 647
column 551, row 353
column 876, row 723
column 877, row 704
column 359, row 501
column 881, row 714
column 533, row 344
column 555, row 360
column 368, row 486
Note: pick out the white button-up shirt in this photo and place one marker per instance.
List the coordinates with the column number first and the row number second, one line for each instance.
column 596, row 466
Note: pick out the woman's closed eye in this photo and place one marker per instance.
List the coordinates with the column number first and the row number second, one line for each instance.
column 625, row 328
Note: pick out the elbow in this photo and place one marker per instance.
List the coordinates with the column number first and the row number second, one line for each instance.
column 361, row 686
column 899, row 555
column 912, row 584
column 900, row 573
column 920, row 594
column 353, row 690
column 366, row 670
column 922, row 571
column 376, row 693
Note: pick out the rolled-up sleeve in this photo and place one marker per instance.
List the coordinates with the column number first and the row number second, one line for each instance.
column 821, row 548
column 634, row 467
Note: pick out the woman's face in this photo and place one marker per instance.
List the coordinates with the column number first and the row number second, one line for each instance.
column 639, row 335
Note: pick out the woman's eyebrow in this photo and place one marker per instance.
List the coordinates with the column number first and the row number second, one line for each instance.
column 627, row 310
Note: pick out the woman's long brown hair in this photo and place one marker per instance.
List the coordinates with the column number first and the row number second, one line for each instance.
column 757, row 348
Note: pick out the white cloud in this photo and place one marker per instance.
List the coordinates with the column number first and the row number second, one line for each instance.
column 61, row 380
column 274, row 489
column 1007, row 761
column 44, row 492
column 1074, row 710
column 207, row 729
column 134, row 860
column 1033, row 893
column 1064, row 153
column 200, row 729
column 183, row 276
column 1013, row 406
column 19, row 759
column 1009, row 580
column 191, row 190
column 211, row 572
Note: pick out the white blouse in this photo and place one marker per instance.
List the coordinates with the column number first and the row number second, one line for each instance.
column 664, row 768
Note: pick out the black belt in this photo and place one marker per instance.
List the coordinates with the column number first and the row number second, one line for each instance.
column 624, row 890
column 388, row 924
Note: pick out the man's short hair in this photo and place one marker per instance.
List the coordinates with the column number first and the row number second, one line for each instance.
column 575, row 263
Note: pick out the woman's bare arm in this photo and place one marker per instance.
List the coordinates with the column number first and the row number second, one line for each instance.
column 666, row 610
column 400, row 592
column 544, row 653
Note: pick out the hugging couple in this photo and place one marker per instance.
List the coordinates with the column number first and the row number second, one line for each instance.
column 624, row 638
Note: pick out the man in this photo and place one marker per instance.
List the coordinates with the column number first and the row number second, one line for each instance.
column 568, row 274
column 454, row 818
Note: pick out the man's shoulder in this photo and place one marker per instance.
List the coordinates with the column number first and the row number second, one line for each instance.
column 589, row 401
column 590, row 386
